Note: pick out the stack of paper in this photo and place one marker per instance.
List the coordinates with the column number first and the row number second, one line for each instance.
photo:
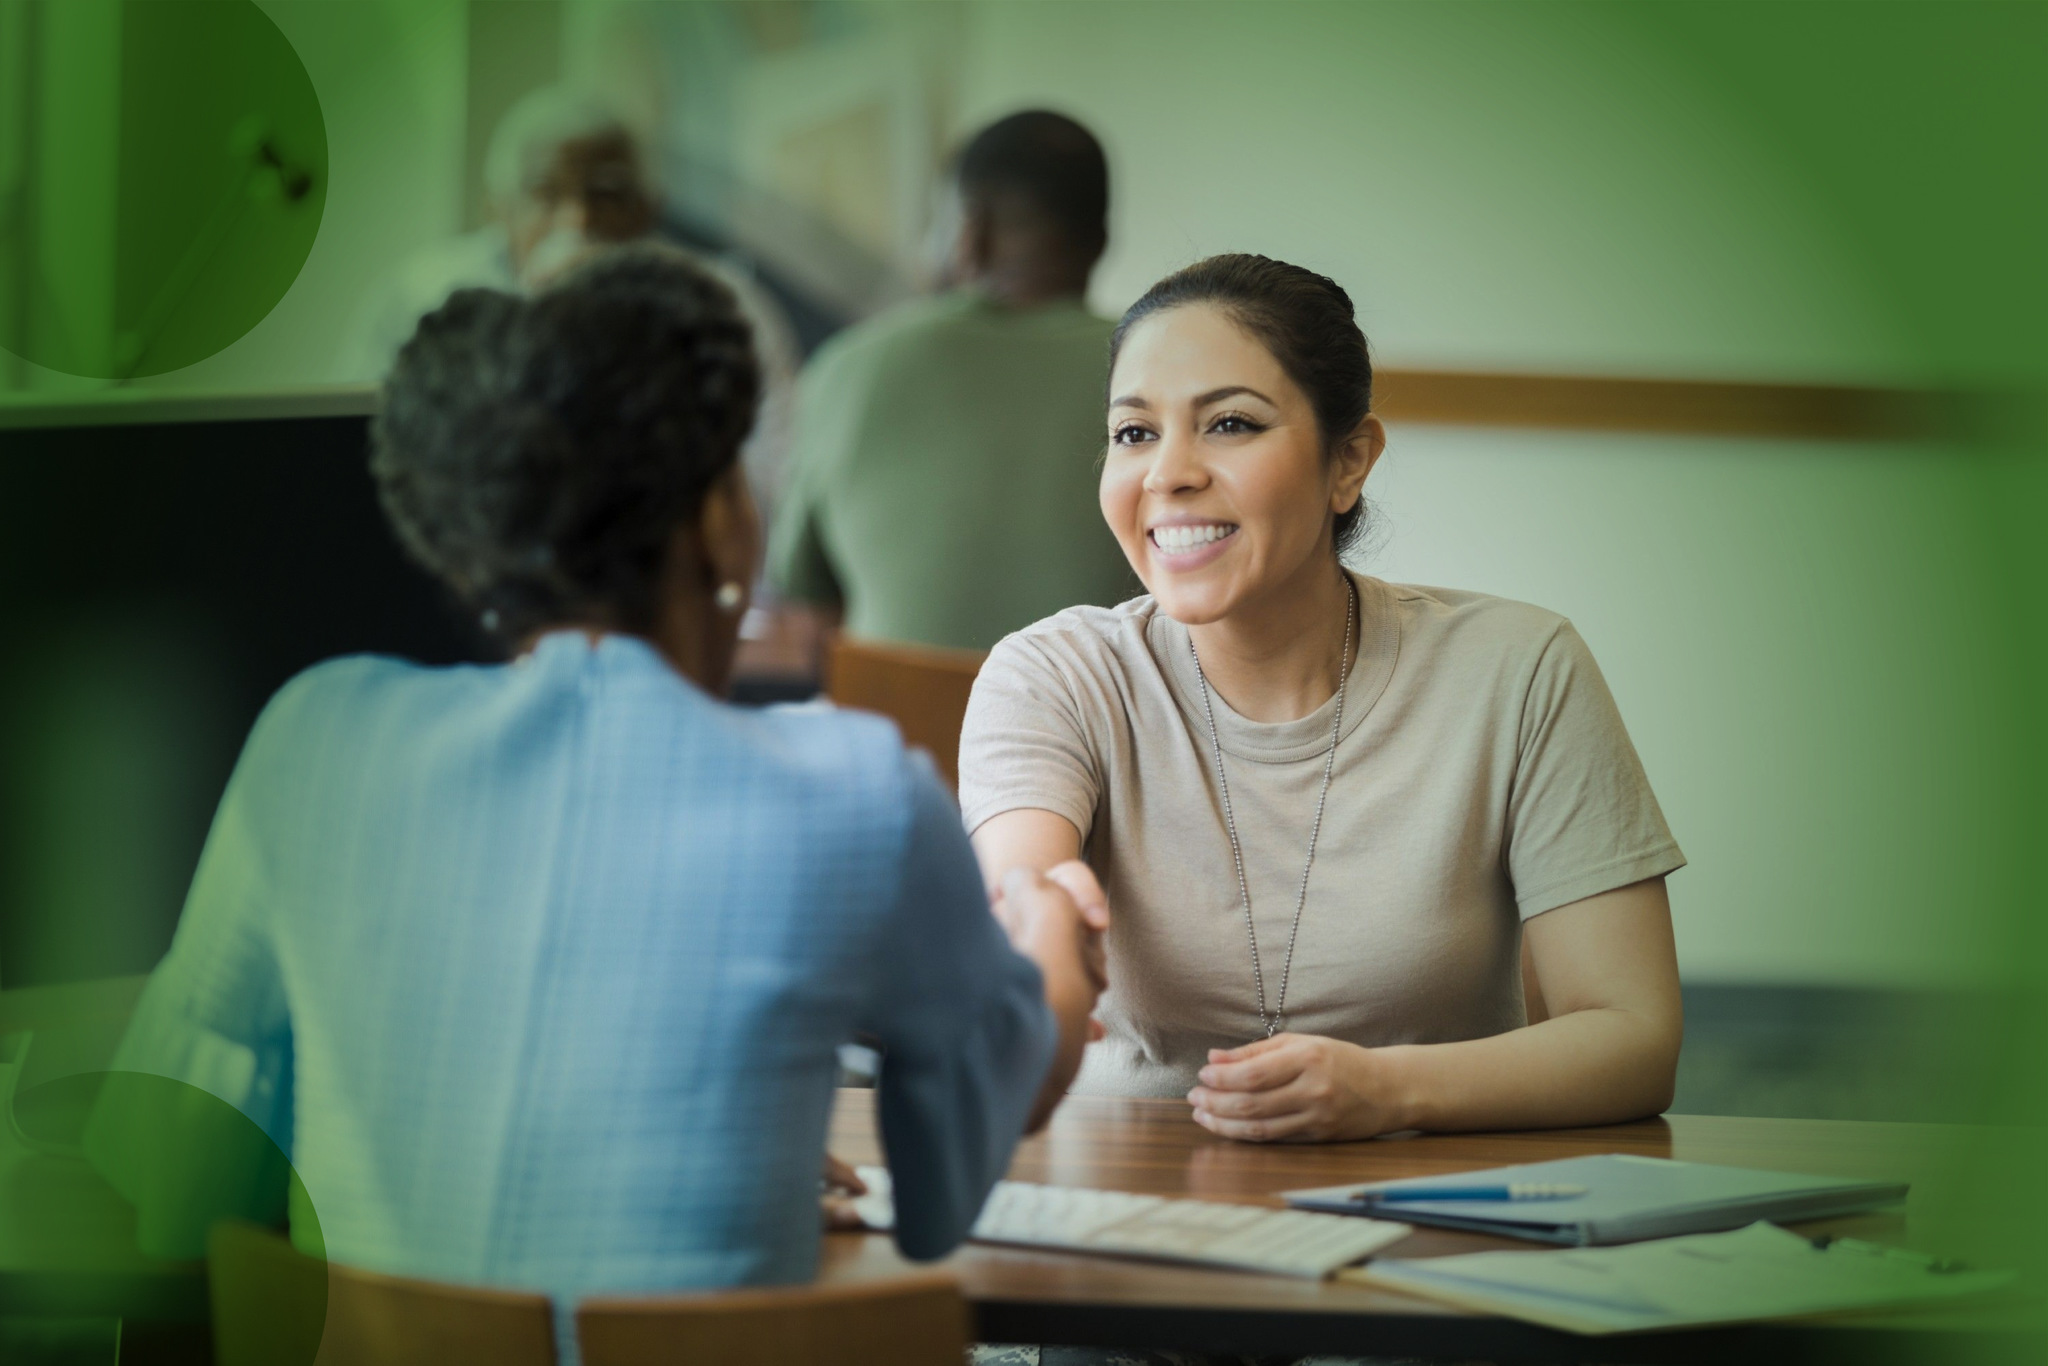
column 1759, row 1272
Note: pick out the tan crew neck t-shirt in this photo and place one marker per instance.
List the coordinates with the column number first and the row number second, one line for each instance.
column 1483, row 776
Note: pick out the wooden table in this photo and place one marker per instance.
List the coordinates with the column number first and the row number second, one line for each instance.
column 1152, row 1146
column 47, row 1205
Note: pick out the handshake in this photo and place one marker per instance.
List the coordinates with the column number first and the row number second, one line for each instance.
column 1057, row 919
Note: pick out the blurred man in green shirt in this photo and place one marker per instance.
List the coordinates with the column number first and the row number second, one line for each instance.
column 944, row 457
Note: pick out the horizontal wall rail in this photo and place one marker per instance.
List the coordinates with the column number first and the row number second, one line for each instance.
column 1697, row 407
column 1580, row 402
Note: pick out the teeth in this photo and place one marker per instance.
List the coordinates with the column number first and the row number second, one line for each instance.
column 1188, row 537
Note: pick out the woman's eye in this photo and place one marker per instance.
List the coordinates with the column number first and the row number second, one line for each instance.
column 1232, row 424
column 1129, row 435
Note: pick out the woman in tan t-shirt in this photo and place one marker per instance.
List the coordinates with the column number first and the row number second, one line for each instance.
column 1378, row 857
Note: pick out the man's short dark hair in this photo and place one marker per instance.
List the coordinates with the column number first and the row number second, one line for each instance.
column 1047, row 165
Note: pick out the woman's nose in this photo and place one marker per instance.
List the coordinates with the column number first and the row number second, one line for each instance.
column 1176, row 467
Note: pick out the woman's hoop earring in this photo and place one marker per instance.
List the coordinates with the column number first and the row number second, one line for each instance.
column 731, row 596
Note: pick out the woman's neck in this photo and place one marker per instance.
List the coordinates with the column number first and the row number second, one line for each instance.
column 690, row 634
column 1282, row 656
column 687, row 632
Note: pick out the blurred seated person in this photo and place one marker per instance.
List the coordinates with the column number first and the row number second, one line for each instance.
column 566, row 178
column 537, row 970
column 942, row 463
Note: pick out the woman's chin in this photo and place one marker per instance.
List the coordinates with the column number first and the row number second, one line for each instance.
column 1192, row 606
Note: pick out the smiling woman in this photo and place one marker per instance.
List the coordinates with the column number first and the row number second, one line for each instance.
column 1378, row 857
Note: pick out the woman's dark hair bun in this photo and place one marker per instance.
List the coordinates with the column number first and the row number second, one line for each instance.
column 1304, row 319
column 538, row 454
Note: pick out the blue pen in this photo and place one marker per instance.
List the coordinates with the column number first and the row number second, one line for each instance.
column 1519, row 1190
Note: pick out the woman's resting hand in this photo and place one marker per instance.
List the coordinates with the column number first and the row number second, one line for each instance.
column 1607, row 1015
column 1297, row 1087
column 835, row 1199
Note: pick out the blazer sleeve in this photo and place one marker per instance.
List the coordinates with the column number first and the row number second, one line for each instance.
column 194, row 1121
column 966, row 1034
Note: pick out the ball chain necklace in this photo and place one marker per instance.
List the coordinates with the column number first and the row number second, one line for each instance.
column 1272, row 1021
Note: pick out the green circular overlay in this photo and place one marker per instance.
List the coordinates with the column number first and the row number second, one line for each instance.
column 118, row 1184
column 178, row 174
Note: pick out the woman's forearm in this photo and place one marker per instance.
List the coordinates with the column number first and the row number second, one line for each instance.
column 1606, row 975
column 1037, row 840
column 1595, row 1066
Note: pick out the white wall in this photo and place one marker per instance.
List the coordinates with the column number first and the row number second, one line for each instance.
column 1799, row 638
column 1499, row 185
column 1798, row 634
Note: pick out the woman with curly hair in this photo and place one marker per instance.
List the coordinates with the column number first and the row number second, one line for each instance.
column 537, row 971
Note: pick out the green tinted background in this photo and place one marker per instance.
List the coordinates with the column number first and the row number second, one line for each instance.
column 1829, row 653
column 178, row 167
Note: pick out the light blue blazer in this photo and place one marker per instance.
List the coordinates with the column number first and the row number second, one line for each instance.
column 537, row 971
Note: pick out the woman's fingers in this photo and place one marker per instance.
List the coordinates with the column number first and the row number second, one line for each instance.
column 1291, row 1086
column 1281, row 1100
column 1078, row 881
column 1255, row 1130
column 841, row 1177
column 1095, row 955
column 1042, row 915
column 1252, row 1049
column 1024, row 898
column 841, row 1181
column 1261, row 1071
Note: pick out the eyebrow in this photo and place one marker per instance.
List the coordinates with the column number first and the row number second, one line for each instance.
column 1216, row 395
column 1201, row 400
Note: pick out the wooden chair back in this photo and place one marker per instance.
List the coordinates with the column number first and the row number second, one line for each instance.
column 908, row 1321
column 922, row 689
column 275, row 1306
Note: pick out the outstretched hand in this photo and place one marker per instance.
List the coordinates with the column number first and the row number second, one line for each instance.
column 1077, row 879
column 1061, row 932
column 1047, row 913
column 1065, row 905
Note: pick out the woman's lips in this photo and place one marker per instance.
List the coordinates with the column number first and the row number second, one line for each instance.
column 1190, row 545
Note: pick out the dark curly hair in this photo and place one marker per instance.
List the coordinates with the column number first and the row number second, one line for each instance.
column 1304, row 319
column 537, row 455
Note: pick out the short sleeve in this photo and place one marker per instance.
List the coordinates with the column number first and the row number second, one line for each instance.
column 965, row 1031
column 1024, row 744
column 1581, row 817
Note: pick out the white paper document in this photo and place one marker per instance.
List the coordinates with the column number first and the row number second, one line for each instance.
column 1759, row 1272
